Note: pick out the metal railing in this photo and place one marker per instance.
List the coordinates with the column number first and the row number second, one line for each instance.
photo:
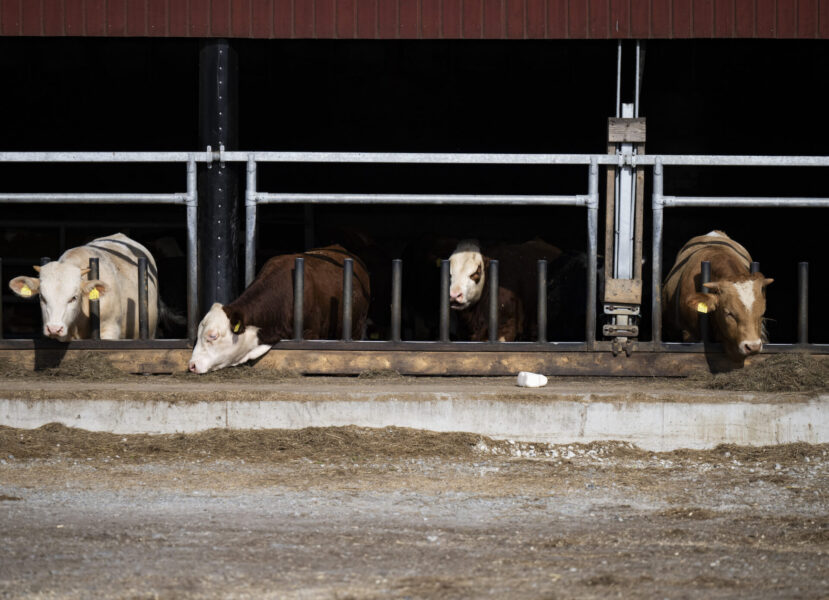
column 189, row 199
column 589, row 200
column 660, row 201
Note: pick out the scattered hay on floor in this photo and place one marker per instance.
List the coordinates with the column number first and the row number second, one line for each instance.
column 776, row 373
column 91, row 366
column 380, row 374
column 246, row 372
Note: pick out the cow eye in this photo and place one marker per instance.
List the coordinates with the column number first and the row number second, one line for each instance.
column 476, row 276
column 73, row 299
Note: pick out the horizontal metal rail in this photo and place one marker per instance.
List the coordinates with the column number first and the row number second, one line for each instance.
column 735, row 201
column 476, row 199
column 49, row 198
column 104, row 157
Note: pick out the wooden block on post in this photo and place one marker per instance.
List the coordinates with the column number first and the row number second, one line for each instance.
column 626, row 130
column 623, row 291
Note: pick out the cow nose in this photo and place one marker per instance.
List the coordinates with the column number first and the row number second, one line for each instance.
column 193, row 367
column 456, row 296
column 54, row 329
column 752, row 347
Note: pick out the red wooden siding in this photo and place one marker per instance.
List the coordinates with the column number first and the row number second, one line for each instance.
column 419, row 19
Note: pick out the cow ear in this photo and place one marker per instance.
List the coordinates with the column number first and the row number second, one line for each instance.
column 36, row 268
column 237, row 321
column 94, row 288
column 714, row 286
column 702, row 302
column 767, row 281
column 25, row 287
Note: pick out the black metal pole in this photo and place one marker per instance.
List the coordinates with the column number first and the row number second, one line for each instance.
column 444, row 301
column 348, row 299
column 396, row 295
column 218, row 183
column 94, row 303
column 802, row 303
column 143, row 300
column 542, row 300
column 44, row 260
column 299, row 297
column 493, row 300
column 755, row 267
column 705, row 277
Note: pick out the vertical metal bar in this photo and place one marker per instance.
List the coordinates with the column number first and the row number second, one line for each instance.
column 755, row 267
column 250, row 222
column 494, row 288
column 592, row 251
column 636, row 96
column 299, row 297
column 143, row 300
column 348, row 297
column 192, row 249
column 618, row 78
column 396, row 297
column 45, row 260
column 94, row 305
column 803, row 303
column 542, row 300
column 656, row 256
column 704, row 277
column 444, row 301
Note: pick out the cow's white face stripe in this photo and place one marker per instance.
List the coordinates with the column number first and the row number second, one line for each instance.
column 745, row 291
column 464, row 262
column 714, row 234
column 60, row 293
column 217, row 347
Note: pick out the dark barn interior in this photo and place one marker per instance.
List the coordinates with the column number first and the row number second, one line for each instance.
column 699, row 97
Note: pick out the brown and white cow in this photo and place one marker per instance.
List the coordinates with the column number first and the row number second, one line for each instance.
column 246, row 328
column 517, row 288
column 64, row 290
column 735, row 299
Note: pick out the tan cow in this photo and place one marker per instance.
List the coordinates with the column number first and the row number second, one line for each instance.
column 64, row 289
column 735, row 299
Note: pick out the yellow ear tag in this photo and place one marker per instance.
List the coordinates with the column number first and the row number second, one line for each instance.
column 237, row 327
column 25, row 291
column 94, row 294
column 702, row 307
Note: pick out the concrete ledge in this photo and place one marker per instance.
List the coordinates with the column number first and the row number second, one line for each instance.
column 652, row 419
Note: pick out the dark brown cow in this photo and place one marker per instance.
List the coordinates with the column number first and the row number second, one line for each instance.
column 517, row 288
column 735, row 299
column 246, row 328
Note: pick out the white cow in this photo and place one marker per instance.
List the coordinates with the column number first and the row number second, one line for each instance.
column 65, row 290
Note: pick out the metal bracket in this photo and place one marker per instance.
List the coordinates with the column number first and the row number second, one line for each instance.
column 631, row 310
column 620, row 330
column 211, row 156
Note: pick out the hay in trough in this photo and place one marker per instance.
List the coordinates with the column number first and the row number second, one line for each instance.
column 90, row 366
column 776, row 373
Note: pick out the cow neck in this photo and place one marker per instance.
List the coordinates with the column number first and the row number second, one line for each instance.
column 702, row 245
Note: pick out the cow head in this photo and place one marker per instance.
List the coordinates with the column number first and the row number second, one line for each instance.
column 467, row 275
column 736, row 308
column 223, row 340
column 61, row 287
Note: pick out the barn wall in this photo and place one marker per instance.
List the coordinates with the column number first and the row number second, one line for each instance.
column 412, row 19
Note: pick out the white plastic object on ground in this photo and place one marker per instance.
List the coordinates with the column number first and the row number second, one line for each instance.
column 527, row 379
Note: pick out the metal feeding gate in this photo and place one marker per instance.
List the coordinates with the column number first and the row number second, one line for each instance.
column 591, row 356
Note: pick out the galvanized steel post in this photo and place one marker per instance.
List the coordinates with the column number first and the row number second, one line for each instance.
column 754, row 268
column 803, row 303
column 192, row 204
column 396, row 297
column 250, row 222
column 592, row 252
column 494, row 288
column 348, row 297
column 444, row 300
column 299, row 297
column 704, row 277
column 143, row 300
column 656, row 257
column 542, row 301
column 94, row 303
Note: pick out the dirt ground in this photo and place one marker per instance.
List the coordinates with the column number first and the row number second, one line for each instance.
column 348, row 513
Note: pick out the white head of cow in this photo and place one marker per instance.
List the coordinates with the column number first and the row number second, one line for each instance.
column 61, row 287
column 466, row 275
column 218, row 346
column 737, row 310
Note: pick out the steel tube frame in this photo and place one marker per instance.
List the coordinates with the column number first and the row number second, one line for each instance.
column 803, row 303
column 94, row 305
column 396, row 298
column 494, row 288
column 348, row 297
column 444, row 301
column 524, row 200
column 299, row 297
column 143, row 300
column 541, row 318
